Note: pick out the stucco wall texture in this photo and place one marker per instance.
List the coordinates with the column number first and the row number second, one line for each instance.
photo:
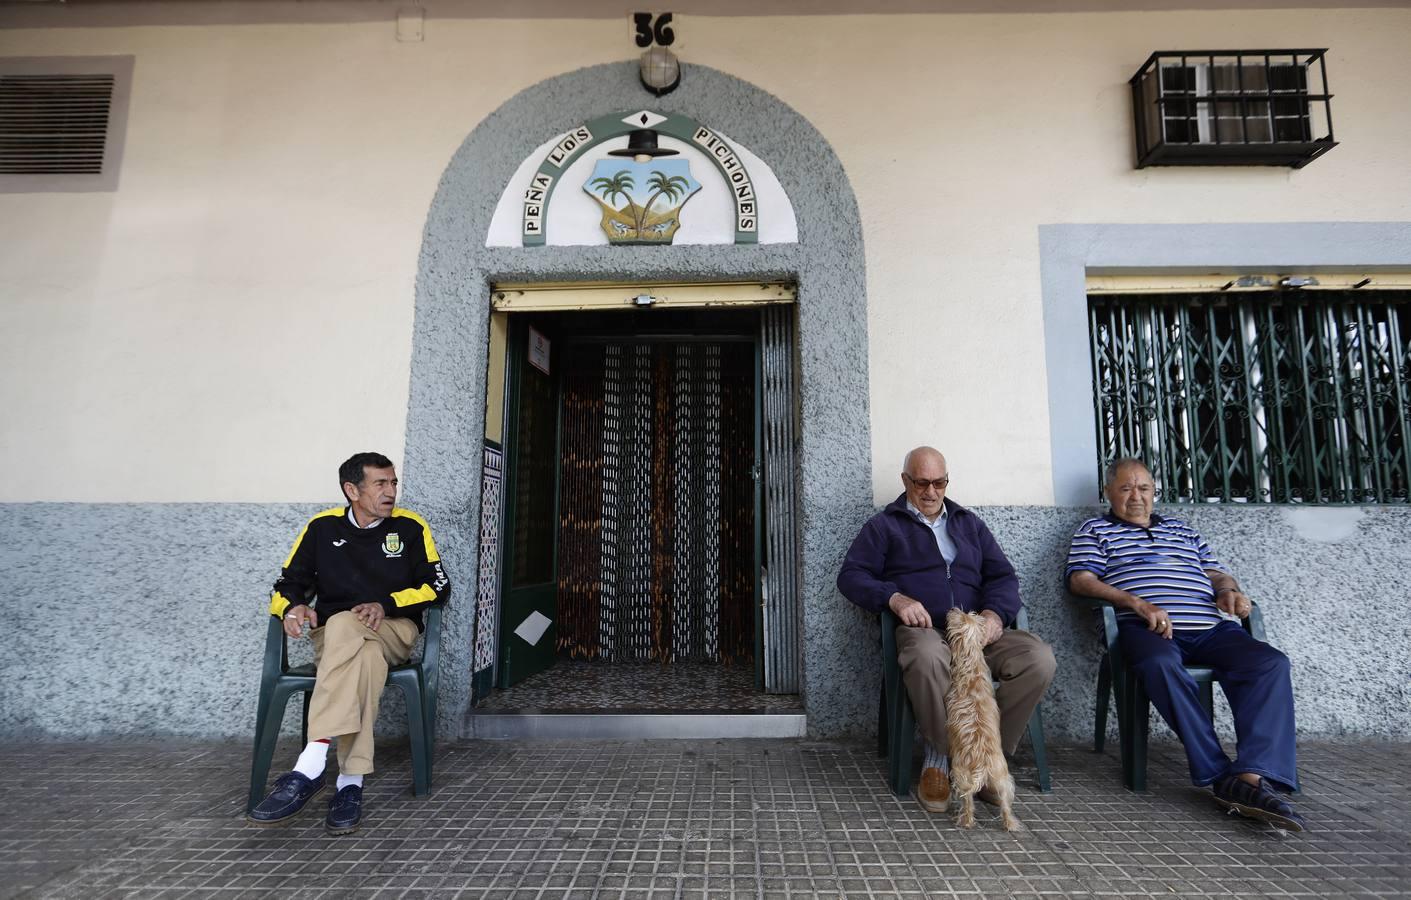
column 320, row 282
column 277, row 177
column 150, row 619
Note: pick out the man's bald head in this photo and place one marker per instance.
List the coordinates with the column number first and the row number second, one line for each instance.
column 917, row 455
column 924, row 475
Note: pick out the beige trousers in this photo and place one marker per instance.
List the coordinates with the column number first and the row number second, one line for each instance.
column 1022, row 664
column 352, row 664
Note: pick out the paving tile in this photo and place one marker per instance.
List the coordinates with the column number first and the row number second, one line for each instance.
column 563, row 820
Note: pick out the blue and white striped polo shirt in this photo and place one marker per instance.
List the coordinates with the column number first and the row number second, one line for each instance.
column 1164, row 564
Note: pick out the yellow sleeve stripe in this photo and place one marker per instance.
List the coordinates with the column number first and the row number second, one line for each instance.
column 431, row 554
column 335, row 511
column 278, row 604
column 410, row 596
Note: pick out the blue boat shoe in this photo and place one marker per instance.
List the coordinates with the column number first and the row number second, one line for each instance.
column 290, row 793
column 345, row 810
column 1257, row 802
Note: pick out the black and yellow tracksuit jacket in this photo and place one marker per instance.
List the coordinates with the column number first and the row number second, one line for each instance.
column 394, row 563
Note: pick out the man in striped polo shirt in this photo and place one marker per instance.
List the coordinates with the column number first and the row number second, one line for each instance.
column 1175, row 607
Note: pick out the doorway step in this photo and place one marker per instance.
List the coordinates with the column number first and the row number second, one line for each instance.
column 576, row 699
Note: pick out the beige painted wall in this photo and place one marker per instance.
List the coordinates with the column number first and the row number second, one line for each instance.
column 237, row 316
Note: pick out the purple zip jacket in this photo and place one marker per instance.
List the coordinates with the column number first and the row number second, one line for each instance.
column 894, row 552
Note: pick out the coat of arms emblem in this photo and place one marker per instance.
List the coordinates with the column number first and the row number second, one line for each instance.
column 642, row 198
column 392, row 544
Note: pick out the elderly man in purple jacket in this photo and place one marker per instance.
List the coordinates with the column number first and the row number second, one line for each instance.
column 921, row 557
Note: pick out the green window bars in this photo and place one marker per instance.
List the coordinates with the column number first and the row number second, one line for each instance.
column 1268, row 397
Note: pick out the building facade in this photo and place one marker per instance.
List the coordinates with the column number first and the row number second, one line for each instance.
column 323, row 215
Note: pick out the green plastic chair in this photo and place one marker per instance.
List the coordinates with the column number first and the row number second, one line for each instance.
column 896, row 721
column 418, row 681
column 1133, row 705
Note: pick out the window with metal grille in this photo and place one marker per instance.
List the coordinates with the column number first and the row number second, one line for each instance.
column 61, row 122
column 1281, row 397
column 1232, row 107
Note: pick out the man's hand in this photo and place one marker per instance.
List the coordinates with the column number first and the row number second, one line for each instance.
column 1156, row 618
column 1234, row 602
column 994, row 626
column 909, row 611
column 296, row 616
column 370, row 614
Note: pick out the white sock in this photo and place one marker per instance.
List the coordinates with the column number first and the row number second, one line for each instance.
column 935, row 759
column 312, row 760
column 345, row 780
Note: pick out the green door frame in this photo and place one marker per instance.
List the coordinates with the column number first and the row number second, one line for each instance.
column 517, row 601
column 510, row 670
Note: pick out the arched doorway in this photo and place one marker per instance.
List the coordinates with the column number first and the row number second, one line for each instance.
column 445, row 458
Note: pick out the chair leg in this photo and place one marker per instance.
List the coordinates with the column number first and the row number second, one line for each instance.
column 882, row 719
column 1104, row 688
column 1036, row 739
column 416, row 731
column 1139, row 719
column 1207, row 698
column 903, row 744
column 429, row 719
column 266, row 734
column 308, row 695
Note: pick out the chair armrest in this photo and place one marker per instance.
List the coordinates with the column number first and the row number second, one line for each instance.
column 431, row 666
column 1106, row 612
column 1088, row 602
column 431, row 646
column 1254, row 623
column 276, row 650
column 890, row 623
column 1021, row 619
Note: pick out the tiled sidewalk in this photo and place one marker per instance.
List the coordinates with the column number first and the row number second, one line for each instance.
column 682, row 819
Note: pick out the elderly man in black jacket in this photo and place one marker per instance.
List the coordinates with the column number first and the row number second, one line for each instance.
column 373, row 568
column 921, row 557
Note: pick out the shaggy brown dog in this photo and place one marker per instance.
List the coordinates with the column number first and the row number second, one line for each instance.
column 972, row 722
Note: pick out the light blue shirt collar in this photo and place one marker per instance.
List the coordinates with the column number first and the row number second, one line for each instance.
column 938, row 529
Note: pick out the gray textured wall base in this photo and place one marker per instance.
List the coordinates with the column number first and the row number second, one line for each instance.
column 149, row 619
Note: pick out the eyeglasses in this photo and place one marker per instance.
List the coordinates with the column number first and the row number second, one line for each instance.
column 922, row 484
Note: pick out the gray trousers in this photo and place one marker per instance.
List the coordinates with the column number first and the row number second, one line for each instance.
column 1022, row 664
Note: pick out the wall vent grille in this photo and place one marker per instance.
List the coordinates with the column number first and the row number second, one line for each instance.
column 54, row 124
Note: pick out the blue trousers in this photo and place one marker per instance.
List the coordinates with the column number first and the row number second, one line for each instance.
column 1255, row 679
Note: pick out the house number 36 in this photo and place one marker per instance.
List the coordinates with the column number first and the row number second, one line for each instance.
column 653, row 29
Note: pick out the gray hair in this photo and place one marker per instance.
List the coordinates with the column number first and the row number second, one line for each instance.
column 1114, row 468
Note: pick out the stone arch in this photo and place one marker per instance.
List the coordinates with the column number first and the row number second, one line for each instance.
column 445, row 417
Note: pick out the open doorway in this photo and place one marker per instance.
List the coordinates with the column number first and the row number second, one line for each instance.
column 637, row 542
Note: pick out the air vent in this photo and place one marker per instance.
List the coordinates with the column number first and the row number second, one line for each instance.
column 62, row 122
column 54, row 124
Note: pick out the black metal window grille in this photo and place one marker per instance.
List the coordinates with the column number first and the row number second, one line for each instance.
column 1232, row 107
column 1289, row 397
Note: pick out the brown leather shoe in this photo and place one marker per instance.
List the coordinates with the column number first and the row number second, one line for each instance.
column 933, row 793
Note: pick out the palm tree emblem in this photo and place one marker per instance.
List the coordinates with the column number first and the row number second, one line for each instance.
column 666, row 186
column 672, row 186
column 616, row 186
